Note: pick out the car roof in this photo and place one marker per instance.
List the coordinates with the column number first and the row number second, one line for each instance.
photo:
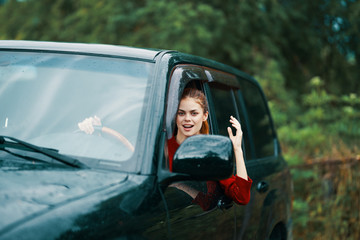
column 82, row 48
column 143, row 54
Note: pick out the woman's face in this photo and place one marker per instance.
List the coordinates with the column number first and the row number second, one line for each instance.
column 190, row 118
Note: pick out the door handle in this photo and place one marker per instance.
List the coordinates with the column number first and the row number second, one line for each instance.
column 262, row 186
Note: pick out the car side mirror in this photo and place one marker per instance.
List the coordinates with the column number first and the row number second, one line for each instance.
column 205, row 157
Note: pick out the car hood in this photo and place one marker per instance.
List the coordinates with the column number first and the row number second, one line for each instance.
column 28, row 193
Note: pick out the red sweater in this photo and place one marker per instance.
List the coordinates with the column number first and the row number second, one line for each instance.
column 235, row 188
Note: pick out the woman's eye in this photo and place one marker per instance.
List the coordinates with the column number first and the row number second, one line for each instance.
column 180, row 113
column 194, row 113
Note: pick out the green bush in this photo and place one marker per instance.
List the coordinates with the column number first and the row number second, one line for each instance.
column 324, row 126
column 327, row 202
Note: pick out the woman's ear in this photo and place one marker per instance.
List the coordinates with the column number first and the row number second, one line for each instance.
column 205, row 117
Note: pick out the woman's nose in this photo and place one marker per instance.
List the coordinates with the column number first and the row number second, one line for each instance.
column 187, row 117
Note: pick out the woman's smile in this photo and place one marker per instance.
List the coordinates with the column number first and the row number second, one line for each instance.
column 188, row 127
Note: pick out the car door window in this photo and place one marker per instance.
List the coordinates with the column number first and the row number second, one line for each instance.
column 225, row 105
column 259, row 119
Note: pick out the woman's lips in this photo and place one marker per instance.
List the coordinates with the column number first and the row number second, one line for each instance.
column 187, row 127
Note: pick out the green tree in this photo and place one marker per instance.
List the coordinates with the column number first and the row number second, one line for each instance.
column 283, row 43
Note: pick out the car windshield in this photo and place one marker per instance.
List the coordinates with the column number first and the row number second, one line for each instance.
column 44, row 96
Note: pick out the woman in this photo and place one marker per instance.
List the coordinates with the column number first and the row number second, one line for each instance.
column 191, row 120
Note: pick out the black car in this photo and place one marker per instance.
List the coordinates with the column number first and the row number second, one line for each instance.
column 57, row 182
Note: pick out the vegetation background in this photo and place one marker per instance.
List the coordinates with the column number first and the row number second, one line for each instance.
column 305, row 54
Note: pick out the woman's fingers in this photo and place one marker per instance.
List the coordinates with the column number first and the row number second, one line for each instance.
column 235, row 123
column 96, row 121
column 230, row 132
column 237, row 139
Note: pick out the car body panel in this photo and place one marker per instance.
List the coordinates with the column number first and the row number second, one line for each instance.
column 266, row 208
column 105, row 202
column 81, row 48
column 87, row 203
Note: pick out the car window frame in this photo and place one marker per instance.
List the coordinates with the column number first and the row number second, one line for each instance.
column 236, row 108
column 276, row 146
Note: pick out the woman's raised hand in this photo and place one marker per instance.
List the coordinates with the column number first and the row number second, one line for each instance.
column 237, row 139
column 88, row 124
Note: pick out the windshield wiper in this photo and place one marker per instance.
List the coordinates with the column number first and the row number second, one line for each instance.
column 53, row 153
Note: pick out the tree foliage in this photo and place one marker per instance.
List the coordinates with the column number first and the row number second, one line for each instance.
column 283, row 43
column 305, row 54
column 331, row 211
column 306, row 38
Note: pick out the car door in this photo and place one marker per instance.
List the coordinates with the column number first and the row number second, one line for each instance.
column 269, row 203
column 269, row 197
column 187, row 219
column 225, row 104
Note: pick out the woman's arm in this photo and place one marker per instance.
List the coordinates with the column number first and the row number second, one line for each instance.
column 89, row 124
column 185, row 188
column 206, row 200
column 237, row 189
column 237, row 144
